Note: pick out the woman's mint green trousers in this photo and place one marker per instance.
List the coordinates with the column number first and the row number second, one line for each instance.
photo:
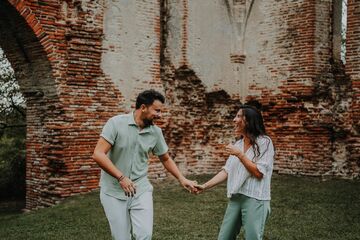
column 243, row 211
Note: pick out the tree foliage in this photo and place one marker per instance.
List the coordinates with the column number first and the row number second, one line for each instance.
column 12, row 133
column 12, row 103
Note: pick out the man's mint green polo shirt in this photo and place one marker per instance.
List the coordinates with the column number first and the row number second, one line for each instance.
column 130, row 153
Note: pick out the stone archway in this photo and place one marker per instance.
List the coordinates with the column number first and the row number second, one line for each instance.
column 34, row 74
column 57, row 62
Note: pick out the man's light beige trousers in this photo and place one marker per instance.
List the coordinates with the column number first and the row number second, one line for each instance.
column 131, row 216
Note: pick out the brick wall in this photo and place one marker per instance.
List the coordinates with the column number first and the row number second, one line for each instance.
column 286, row 66
column 57, row 62
column 353, row 70
column 76, row 71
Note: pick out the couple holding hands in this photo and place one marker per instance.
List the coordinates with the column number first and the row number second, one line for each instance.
column 123, row 150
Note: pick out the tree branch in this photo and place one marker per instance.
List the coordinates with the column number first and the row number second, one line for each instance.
column 17, row 108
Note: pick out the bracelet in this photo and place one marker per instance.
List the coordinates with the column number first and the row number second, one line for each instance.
column 121, row 178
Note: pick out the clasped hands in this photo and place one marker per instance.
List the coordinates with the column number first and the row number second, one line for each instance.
column 231, row 150
column 191, row 186
column 129, row 186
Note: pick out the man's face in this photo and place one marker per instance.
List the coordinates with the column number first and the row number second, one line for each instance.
column 151, row 112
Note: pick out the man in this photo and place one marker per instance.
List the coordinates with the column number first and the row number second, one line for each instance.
column 122, row 152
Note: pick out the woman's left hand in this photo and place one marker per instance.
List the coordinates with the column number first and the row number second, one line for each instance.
column 233, row 150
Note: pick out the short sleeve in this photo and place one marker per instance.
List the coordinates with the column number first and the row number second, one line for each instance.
column 226, row 167
column 160, row 146
column 266, row 160
column 109, row 132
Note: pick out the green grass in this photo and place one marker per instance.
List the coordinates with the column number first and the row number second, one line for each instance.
column 302, row 208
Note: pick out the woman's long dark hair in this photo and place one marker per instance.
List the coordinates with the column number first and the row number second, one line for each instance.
column 254, row 126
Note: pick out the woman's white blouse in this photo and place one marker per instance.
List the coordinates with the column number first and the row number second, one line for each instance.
column 241, row 181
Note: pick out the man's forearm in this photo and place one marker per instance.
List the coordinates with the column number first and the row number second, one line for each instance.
column 105, row 163
column 171, row 167
column 100, row 157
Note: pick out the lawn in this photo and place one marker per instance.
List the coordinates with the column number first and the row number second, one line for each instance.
column 302, row 208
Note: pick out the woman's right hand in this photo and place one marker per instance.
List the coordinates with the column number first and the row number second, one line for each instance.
column 200, row 188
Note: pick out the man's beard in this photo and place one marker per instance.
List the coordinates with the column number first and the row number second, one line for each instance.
column 148, row 122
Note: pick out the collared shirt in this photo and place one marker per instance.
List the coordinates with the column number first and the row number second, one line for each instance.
column 241, row 181
column 130, row 153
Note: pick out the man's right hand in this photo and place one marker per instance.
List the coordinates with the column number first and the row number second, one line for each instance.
column 128, row 186
column 188, row 184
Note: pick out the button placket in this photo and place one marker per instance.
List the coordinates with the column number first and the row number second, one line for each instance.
column 135, row 151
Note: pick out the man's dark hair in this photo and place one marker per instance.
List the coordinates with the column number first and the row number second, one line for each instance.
column 148, row 97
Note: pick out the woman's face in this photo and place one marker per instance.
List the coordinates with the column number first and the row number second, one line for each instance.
column 239, row 122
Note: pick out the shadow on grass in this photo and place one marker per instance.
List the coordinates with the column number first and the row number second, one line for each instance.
column 11, row 206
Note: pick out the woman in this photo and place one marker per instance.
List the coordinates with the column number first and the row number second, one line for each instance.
column 248, row 172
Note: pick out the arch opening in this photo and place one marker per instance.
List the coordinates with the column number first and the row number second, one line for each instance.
column 33, row 72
